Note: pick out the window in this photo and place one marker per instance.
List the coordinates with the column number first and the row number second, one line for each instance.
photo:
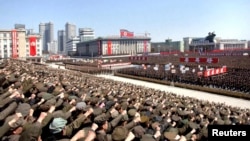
column 4, row 35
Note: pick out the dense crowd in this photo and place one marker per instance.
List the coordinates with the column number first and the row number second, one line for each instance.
column 235, row 79
column 41, row 103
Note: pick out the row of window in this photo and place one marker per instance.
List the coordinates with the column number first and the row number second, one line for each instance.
column 10, row 41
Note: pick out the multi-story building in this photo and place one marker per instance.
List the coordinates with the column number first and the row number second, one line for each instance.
column 52, row 47
column 168, row 46
column 116, row 45
column 218, row 45
column 71, row 46
column 61, row 38
column 12, row 43
column 70, row 31
column 46, row 30
column 86, row 34
column 16, row 44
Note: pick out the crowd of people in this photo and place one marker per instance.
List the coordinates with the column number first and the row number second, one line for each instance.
column 39, row 103
column 235, row 79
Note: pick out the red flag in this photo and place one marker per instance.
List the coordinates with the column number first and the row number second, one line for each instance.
column 32, row 46
column 14, row 43
column 109, row 47
column 126, row 33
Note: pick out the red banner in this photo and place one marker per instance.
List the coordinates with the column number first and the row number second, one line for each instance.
column 126, row 33
column 14, row 43
column 109, row 47
column 212, row 72
column 200, row 60
column 32, row 41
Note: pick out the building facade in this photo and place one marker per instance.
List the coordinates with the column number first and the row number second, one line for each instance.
column 33, row 46
column 12, row 43
column 71, row 46
column 86, row 34
column 218, row 45
column 46, row 30
column 61, row 39
column 52, row 47
column 168, row 46
column 16, row 44
column 70, row 31
column 108, row 46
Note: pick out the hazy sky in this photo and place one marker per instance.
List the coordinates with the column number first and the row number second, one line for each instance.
column 163, row 19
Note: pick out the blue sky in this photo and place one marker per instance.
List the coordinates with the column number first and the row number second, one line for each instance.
column 163, row 19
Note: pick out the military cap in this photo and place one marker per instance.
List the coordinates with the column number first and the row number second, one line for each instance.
column 61, row 114
column 182, row 113
column 73, row 97
column 138, row 131
column 170, row 135
column 101, row 119
column 23, row 108
column 223, row 113
column 193, row 125
column 17, row 84
column 41, row 87
column 132, row 112
column 119, row 133
column 31, row 132
column 97, row 111
column 109, row 104
column 124, row 105
column 144, row 119
column 47, row 96
column 156, row 118
column 147, row 137
column 175, row 118
column 80, row 105
column 12, row 79
column 163, row 111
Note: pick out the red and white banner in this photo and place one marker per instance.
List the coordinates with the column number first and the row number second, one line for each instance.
column 109, row 47
column 32, row 41
column 143, row 58
column 199, row 60
column 14, row 43
column 126, row 33
column 212, row 72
